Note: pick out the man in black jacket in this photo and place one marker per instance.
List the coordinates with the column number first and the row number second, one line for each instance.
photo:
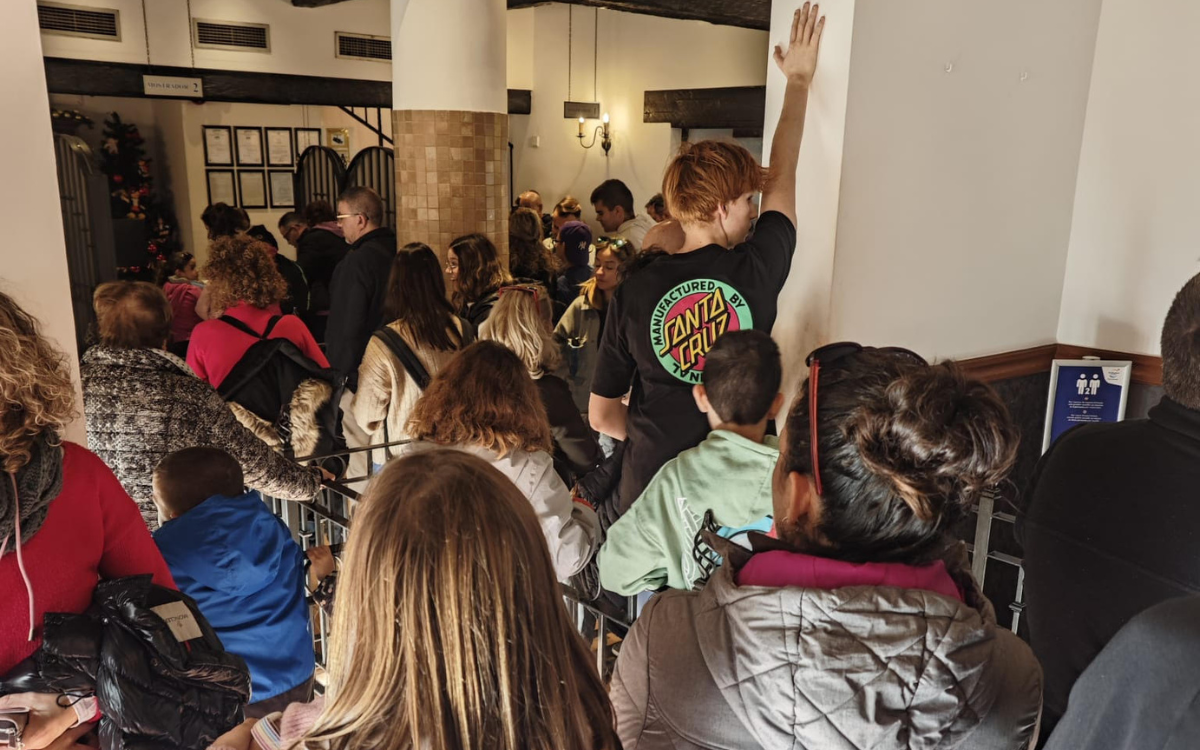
column 359, row 281
column 1112, row 519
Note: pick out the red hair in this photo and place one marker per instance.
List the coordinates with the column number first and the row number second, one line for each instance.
column 706, row 174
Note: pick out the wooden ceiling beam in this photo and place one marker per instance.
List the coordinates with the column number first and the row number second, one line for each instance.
column 747, row 14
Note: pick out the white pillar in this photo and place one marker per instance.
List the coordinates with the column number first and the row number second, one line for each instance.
column 33, row 256
column 804, row 304
column 450, row 120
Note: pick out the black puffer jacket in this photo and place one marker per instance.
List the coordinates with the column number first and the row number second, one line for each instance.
column 155, row 691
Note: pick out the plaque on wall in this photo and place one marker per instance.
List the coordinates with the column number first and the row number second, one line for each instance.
column 218, row 146
column 249, row 146
column 220, row 187
column 306, row 137
column 1085, row 391
column 279, row 147
column 252, row 186
column 282, row 185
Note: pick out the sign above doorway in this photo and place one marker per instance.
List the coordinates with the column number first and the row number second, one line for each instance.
column 175, row 86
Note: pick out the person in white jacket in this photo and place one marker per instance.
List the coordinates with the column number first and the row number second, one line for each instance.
column 484, row 403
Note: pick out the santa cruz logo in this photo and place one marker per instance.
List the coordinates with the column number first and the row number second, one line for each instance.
column 689, row 318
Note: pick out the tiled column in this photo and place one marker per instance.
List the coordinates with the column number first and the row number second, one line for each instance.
column 451, row 176
column 450, row 121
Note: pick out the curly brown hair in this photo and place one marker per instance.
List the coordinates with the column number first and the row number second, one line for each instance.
column 484, row 398
column 35, row 386
column 241, row 269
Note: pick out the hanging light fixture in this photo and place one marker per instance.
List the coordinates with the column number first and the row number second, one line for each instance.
column 585, row 111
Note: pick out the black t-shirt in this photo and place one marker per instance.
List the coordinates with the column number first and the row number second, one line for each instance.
column 662, row 322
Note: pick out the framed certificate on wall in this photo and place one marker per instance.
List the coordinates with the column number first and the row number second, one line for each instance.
column 306, row 137
column 282, row 188
column 279, row 147
column 248, row 146
column 221, row 187
column 252, row 186
column 218, row 146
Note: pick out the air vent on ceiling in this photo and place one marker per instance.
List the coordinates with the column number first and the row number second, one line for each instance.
column 250, row 37
column 363, row 46
column 74, row 20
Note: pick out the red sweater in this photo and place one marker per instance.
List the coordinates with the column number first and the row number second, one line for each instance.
column 93, row 530
column 217, row 347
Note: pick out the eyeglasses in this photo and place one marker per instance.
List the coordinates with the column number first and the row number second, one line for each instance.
column 348, row 216
column 827, row 356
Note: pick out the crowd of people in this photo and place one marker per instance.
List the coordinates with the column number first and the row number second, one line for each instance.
column 599, row 410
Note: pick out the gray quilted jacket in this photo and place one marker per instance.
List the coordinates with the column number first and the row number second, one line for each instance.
column 142, row 404
column 857, row 668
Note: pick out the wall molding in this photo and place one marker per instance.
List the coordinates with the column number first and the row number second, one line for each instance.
column 1147, row 369
column 1014, row 364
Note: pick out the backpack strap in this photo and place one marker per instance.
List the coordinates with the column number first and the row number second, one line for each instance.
column 266, row 334
column 247, row 329
column 466, row 332
column 241, row 326
column 396, row 343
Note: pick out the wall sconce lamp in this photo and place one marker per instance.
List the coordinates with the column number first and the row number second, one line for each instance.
column 601, row 131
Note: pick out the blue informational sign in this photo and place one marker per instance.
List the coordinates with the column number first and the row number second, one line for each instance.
column 1084, row 392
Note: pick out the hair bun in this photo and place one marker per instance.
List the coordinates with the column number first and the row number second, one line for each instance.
column 937, row 437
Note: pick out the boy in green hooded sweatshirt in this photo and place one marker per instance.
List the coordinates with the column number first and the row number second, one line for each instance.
column 728, row 474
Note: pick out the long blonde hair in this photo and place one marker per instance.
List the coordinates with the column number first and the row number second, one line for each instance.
column 449, row 631
column 518, row 322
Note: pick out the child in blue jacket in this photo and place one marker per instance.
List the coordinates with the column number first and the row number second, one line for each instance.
column 238, row 561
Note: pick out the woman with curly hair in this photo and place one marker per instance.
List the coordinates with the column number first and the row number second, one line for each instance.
column 245, row 282
column 64, row 518
column 484, row 403
column 476, row 276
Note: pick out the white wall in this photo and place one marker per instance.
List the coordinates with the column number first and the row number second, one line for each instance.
column 34, row 255
column 803, row 320
column 302, row 39
column 637, row 53
column 958, row 186
column 443, row 64
column 1135, row 238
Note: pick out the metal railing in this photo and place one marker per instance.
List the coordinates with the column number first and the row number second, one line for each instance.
column 326, row 520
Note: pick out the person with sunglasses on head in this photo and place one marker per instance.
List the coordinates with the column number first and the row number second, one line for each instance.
column 857, row 624
column 476, row 275
column 666, row 318
column 359, row 284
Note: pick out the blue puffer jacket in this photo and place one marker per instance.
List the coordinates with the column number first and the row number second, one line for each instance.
column 239, row 563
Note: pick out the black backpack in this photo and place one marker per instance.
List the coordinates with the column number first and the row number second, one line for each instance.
column 265, row 381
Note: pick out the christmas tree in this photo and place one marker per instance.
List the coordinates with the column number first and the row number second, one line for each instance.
column 123, row 160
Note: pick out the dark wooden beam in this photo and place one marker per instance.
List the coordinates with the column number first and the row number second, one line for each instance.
column 93, row 78
column 315, row 3
column 520, row 101
column 748, row 14
column 740, row 108
column 64, row 76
